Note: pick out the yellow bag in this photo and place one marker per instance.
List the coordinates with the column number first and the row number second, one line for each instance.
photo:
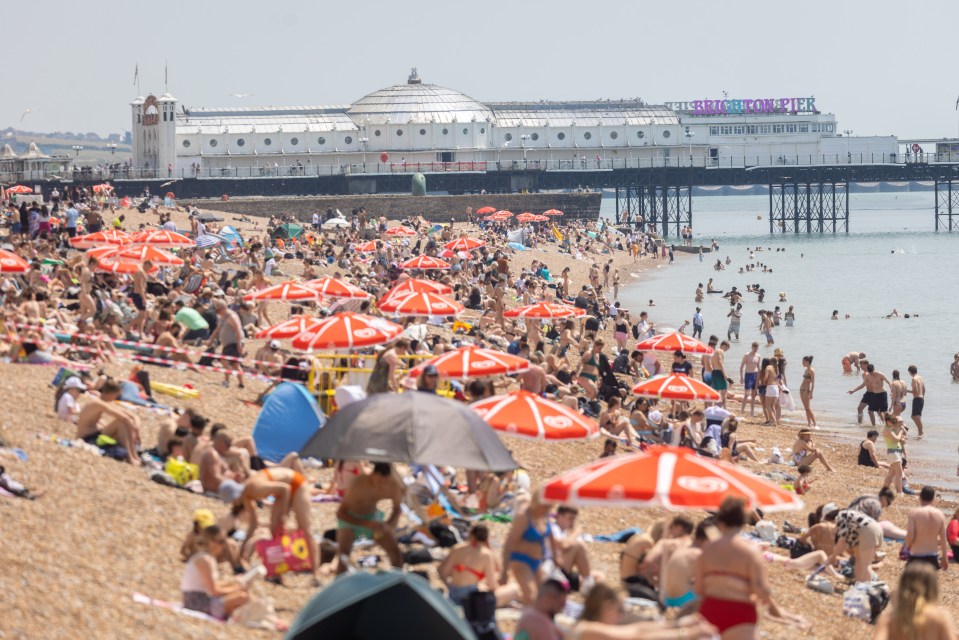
column 181, row 471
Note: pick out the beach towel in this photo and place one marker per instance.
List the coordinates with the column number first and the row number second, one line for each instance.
column 621, row 536
column 174, row 607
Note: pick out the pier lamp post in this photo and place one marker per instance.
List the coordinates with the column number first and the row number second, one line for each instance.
column 364, row 141
column 523, row 138
column 113, row 148
column 847, row 133
column 77, row 148
column 689, row 142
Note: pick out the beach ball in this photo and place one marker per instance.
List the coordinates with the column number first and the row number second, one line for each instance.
column 384, row 157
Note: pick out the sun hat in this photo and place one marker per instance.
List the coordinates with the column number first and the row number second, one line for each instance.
column 204, row 518
column 74, row 382
column 274, row 344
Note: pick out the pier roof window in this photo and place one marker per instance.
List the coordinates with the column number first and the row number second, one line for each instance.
column 714, row 130
column 348, row 140
column 240, row 142
column 667, row 133
column 321, row 140
column 640, row 134
column 560, row 136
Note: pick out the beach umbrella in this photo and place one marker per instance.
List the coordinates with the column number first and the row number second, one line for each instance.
column 12, row 263
column 464, row 244
column 528, row 415
column 163, row 239
column 552, row 212
column 97, row 188
column 400, row 231
column 671, row 477
column 543, row 218
column 366, row 247
column 147, row 252
column 20, row 190
column 545, row 310
column 412, row 427
column 424, row 263
column 525, row 217
column 499, row 216
column 485, row 211
column 504, row 213
column 354, row 606
column 112, row 265
column 288, row 328
column 285, row 291
column 419, row 285
column 420, row 304
column 473, row 362
column 347, row 330
column 675, row 341
column 101, row 238
column 676, row 386
column 204, row 241
column 336, row 288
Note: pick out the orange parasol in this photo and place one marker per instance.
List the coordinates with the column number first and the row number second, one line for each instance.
column 347, row 330
column 366, row 247
column 289, row 328
column 420, row 304
column 20, row 190
column 544, row 310
column 400, row 231
column 525, row 217
column 527, row 415
column 164, row 239
column 101, row 238
column 671, row 477
column 424, row 263
column 12, row 263
column 285, row 291
column 676, row 386
column 474, row 362
column 111, row 265
column 419, row 285
column 335, row 288
column 147, row 252
column 464, row 244
column 552, row 212
column 674, row 342
column 482, row 211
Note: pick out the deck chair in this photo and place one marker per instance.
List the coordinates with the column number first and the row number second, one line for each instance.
column 195, row 283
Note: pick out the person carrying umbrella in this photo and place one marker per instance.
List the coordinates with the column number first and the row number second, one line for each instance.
column 358, row 516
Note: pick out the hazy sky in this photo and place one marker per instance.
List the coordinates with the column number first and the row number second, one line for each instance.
column 882, row 67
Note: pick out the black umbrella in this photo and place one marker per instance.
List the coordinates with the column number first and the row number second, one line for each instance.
column 414, row 427
column 369, row 606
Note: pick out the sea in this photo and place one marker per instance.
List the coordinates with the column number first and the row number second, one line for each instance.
column 891, row 258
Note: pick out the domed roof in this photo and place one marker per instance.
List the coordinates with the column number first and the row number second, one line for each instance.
column 418, row 103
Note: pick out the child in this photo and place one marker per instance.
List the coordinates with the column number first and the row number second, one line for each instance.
column 802, row 482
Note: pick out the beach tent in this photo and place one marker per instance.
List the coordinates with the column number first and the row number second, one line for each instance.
column 288, row 419
column 368, row 606
column 287, row 231
column 231, row 237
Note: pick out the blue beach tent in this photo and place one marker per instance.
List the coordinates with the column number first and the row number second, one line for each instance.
column 288, row 419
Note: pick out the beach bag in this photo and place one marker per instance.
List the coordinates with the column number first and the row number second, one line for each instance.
column 257, row 612
column 786, row 399
column 289, row 552
column 182, row 472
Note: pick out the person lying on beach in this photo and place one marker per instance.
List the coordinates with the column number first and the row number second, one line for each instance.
column 357, row 515
column 123, row 426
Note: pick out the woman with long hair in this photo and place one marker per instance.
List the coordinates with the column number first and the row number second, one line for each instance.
column 913, row 612
column 769, row 389
column 603, row 619
column 806, row 390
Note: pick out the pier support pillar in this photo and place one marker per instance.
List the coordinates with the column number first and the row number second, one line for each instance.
column 667, row 208
column 809, row 207
column 947, row 205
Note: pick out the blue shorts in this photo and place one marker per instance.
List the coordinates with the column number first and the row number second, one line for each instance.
column 749, row 380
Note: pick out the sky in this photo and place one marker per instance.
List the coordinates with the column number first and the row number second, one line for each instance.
column 880, row 66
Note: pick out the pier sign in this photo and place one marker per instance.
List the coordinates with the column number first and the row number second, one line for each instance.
column 743, row 106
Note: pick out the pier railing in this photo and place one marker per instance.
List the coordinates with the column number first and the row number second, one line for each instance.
column 571, row 164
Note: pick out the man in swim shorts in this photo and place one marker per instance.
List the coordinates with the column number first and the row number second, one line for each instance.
column 918, row 391
column 359, row 517
column 748, row 375
column 875, row 397
column 718, row 379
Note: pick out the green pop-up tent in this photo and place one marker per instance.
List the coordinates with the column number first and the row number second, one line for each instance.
column 287, row 231
column 387, row 604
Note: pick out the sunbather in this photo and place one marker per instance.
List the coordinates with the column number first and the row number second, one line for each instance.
column 358, row 516
column 124, row 427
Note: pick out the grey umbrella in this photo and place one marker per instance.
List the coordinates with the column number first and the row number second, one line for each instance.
column 413, row 427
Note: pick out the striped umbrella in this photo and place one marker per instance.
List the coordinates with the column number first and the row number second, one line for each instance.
column 419, row 285
column 101, row 238
column 347, row 330
column 552, row 212
column 285, row 291
column 676, row 386
column 204, row 241
column 111, row 265
column 420, row 304
column 545, row 310
column 672, row 477
column 366, row 247
column 464, row 244
column 400, row 231
column 424, row 263
column 12, row 263
column 289, row 328
column 473, row 362
column 527, row 415
column 674, row 341
column 163, row 238
column 336, row 288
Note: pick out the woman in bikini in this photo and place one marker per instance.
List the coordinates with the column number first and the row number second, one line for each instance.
column 613, row 423
column 806, row 389
column 471, row 566
column 730, row 577
column 589, row 369
column 291, row 492
column 769, row 387
column 603, row 619
column 525, row 548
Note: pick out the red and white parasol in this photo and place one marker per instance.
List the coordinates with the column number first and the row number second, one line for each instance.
column 545, row 310
column 347, row 330
column 527, row 415
column 674, row 342
column 425, row 263
column 474, row 362
column 676, row 386
column 420, row 304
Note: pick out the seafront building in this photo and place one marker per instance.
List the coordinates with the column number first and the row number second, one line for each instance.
column 416, row 126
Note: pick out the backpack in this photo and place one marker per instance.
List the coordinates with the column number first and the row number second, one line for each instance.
column 636, row 331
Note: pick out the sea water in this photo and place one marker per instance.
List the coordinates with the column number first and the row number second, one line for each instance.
column 890, row 259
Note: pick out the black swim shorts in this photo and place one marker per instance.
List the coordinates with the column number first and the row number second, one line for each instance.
column 917, row 405
column 876, row 401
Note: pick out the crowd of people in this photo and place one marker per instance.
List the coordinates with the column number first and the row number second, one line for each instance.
column 66, row 310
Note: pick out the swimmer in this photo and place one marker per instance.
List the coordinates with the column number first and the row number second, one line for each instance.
column 954, row 368
column 893, row 314
column 651, row 303
column 835, row 314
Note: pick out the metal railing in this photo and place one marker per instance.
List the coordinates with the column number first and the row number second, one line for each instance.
column 574, row 164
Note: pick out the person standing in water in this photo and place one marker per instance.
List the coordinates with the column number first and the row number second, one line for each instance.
column 918, row 392
column 806, row 391
column 897, row 394
column 954, row 368
column 875, row 397
column 735, row 316
column 698, row 324
column 790, row 317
